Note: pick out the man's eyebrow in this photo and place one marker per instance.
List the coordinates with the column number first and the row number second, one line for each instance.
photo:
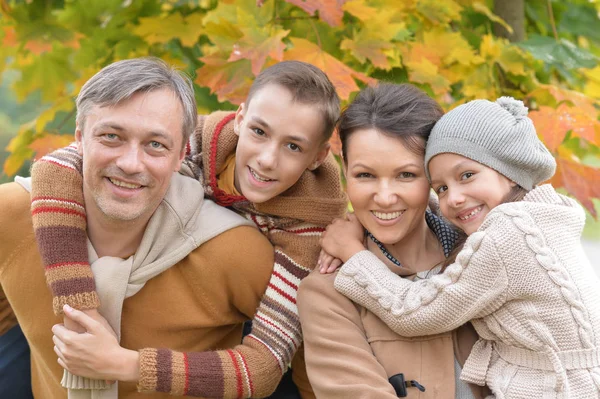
column 108, row 125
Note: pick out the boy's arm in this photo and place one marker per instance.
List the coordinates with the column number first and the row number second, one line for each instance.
column 254, row 368
column 472, row 287
column 59, row 221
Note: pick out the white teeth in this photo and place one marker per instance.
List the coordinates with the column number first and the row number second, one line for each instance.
column 257, row 177
column 123, row 184
column 473, row 212
column 386, row 215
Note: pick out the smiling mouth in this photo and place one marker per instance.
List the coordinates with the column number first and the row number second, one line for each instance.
column 387, row 215
column 259, row 177
column 123, row 184
column 474, row 212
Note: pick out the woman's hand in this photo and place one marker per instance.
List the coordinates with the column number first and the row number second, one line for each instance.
column 95, row 353
column 343, row 238
column 327, row 263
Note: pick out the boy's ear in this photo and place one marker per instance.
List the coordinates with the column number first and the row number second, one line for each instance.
column 321, row 155
column 79, row 139
column 239, row 118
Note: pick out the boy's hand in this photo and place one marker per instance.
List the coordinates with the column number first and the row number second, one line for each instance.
column 343, row 238
column 95, row 353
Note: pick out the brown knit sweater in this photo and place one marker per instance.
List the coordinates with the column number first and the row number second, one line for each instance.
column 293, row 222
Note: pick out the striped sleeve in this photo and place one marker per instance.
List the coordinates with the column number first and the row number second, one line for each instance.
column 254, row 368
column 59, row 222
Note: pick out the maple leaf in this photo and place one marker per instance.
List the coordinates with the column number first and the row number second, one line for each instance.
column 163, row 29
column 63, row 104
column 426, row 72
column 360, row 10
column 483, row 9
column 330, row 11
column 439, row 12
column 341, row 75
column 229, row 80
column 257, row 45
column 19, row 149
column 372, row 49
column 592, row 88
column 47, row 143
column 580, row 180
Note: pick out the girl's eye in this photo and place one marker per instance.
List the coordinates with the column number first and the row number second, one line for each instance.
column 156, row 145
column 466, row 175
column 406, row 175
column 363, row 175
column 258, row 132
column 441, row 189
column 294, row 147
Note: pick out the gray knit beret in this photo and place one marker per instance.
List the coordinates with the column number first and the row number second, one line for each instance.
column 496, row 134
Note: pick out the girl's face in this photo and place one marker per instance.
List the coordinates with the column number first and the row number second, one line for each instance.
column 467, row 190
column 386, row 184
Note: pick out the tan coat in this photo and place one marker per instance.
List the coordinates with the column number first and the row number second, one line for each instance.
column 199, row 304
column 351, row 353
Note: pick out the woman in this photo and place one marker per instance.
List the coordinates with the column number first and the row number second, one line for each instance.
column 350, row 353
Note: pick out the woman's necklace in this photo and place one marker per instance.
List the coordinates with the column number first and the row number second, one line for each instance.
column 383, row 250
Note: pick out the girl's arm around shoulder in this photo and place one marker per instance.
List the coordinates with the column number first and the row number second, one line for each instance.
column 339, row 360
column 474, row 286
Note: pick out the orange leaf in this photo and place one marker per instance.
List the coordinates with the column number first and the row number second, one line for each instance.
column 330, row 11
column 580, row 180
column 554, row 124
column 50, row 142
column 256, row 46
column 229, row 80
column 341, row 75
column 10, row 37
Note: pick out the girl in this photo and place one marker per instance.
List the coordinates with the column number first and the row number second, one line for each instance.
column 521, row 277
column 350, row 352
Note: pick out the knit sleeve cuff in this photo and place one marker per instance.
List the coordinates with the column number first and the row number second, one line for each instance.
column 148, row 371
column 80, row 301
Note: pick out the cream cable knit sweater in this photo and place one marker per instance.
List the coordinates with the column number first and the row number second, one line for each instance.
column 526, row 285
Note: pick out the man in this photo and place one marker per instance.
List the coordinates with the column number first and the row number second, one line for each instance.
column 160, row 253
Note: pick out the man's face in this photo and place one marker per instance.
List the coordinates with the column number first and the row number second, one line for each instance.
column 130, row 152
column 278, row 140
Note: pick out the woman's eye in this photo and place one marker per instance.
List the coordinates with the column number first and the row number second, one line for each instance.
column 363, row 175
column 294, row 147
column 466, row 175
column 441, row 189
column 258, row 132
column 406, row 175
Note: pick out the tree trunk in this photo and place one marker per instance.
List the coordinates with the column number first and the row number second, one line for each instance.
column 513, row 12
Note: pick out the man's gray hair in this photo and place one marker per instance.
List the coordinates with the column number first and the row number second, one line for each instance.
column 122, row 79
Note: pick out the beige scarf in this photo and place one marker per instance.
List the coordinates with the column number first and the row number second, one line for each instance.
column 182, row 222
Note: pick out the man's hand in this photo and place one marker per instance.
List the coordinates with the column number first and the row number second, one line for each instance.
column 96, row 353
column 342, row 239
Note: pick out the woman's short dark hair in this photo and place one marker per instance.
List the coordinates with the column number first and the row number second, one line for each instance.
column 396, row 110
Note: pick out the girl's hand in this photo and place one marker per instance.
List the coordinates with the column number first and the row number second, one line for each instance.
column 95, row 353
column 343, row 238
column 327, row 263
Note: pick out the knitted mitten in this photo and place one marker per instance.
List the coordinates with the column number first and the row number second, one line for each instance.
column 59, row 222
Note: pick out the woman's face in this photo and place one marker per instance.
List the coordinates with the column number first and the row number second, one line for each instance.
column 386, row 184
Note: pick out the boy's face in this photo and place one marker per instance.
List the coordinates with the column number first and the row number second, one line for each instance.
column 278, row 140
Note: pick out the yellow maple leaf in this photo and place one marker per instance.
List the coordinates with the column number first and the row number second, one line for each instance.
column 162, row 29
column 366, row 48
column 479, row 83
column 360, row 9
column 439, row 12
column 47, row 143
column 490, row 48
column 513, row 60
column 483, row 9
column 592, row 87
column 229, row 80
column 340, row 74
column 256, row 45
column 424, row 71
column 62, row 104
column 330, row 11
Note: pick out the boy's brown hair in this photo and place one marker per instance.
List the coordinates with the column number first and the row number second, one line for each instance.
column 307, row 84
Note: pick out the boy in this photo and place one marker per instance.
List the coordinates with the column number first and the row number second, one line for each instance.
column 269, row 162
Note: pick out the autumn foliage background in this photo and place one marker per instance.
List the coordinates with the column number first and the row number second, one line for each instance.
column 545, row 52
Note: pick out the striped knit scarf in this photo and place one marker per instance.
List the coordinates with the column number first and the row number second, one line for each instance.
column 182, row 222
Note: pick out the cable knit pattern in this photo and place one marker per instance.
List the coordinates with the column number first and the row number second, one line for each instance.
column 293, row 223
column 526, row 285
